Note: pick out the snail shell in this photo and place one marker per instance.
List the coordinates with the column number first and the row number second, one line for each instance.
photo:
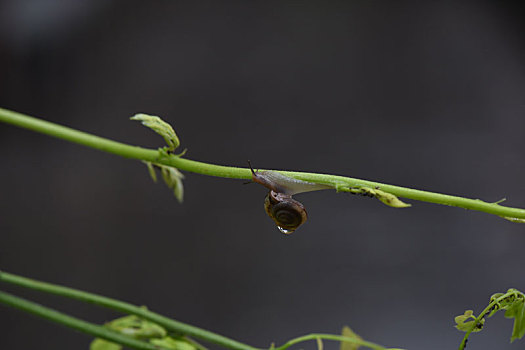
column 287, row 213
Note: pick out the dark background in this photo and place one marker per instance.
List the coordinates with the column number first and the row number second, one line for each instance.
column 428, row 95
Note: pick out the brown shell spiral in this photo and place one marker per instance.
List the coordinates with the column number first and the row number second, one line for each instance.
column 287, row 213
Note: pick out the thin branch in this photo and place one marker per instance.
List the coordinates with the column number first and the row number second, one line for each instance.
column 167, row 323
column 340, row 183
column 74, row 323
column 316, row 336
column 105, row 333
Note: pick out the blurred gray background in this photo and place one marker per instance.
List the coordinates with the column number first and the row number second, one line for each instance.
column 428, row 95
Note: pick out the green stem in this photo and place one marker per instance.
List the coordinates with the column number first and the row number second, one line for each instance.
column 315, row 336
column 340, row 182
column 167, row 323
column 72, row 322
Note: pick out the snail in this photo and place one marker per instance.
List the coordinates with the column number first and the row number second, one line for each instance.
column 287, row 213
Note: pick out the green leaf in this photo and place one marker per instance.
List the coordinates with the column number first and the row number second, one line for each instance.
column 385, row 197
column 319, row 343
column 390, row 199
column 516, row 220
column 171, row 343
column 173, row 179
column 151, row 170
column 137, row 327
column 140, row 328
column 349, row 333
column 160, row 127
column 463, row 325
column 495, row 296
column 517, row 311
column 101, row 344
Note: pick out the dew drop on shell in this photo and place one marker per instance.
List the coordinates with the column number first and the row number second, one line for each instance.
column 285, row 231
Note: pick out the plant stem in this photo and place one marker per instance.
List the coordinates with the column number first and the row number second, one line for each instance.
column 72, row 322
column 315, row 336
column 340, row 182
column 167, row 323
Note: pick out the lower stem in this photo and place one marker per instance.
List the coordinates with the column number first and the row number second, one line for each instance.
column 167, row 323
column 315, row 336
column 74, row 323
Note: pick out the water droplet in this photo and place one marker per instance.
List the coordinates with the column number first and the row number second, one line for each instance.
column 285, row 231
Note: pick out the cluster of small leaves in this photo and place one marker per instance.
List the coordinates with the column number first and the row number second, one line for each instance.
column 171, row 176
column 139, row 328
column 463, row 325
column 513, row 302
column 385, row 197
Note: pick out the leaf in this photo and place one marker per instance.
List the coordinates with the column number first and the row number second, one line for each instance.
column 517, row 311
column 172, row 176
column 385, row 197
column 160, row 127
column 171, row 343
column 151, row 170
column 463, row 325
column 495, row 296
column 173, row 179
column 319, row 343
column 349, row 333
column 102, row 344
column 517, row 220
column 140, row 328
column 137, row 327
column 390, row 199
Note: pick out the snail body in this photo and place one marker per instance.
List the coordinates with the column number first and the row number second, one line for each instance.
column 287, row 213
column 281, row 183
